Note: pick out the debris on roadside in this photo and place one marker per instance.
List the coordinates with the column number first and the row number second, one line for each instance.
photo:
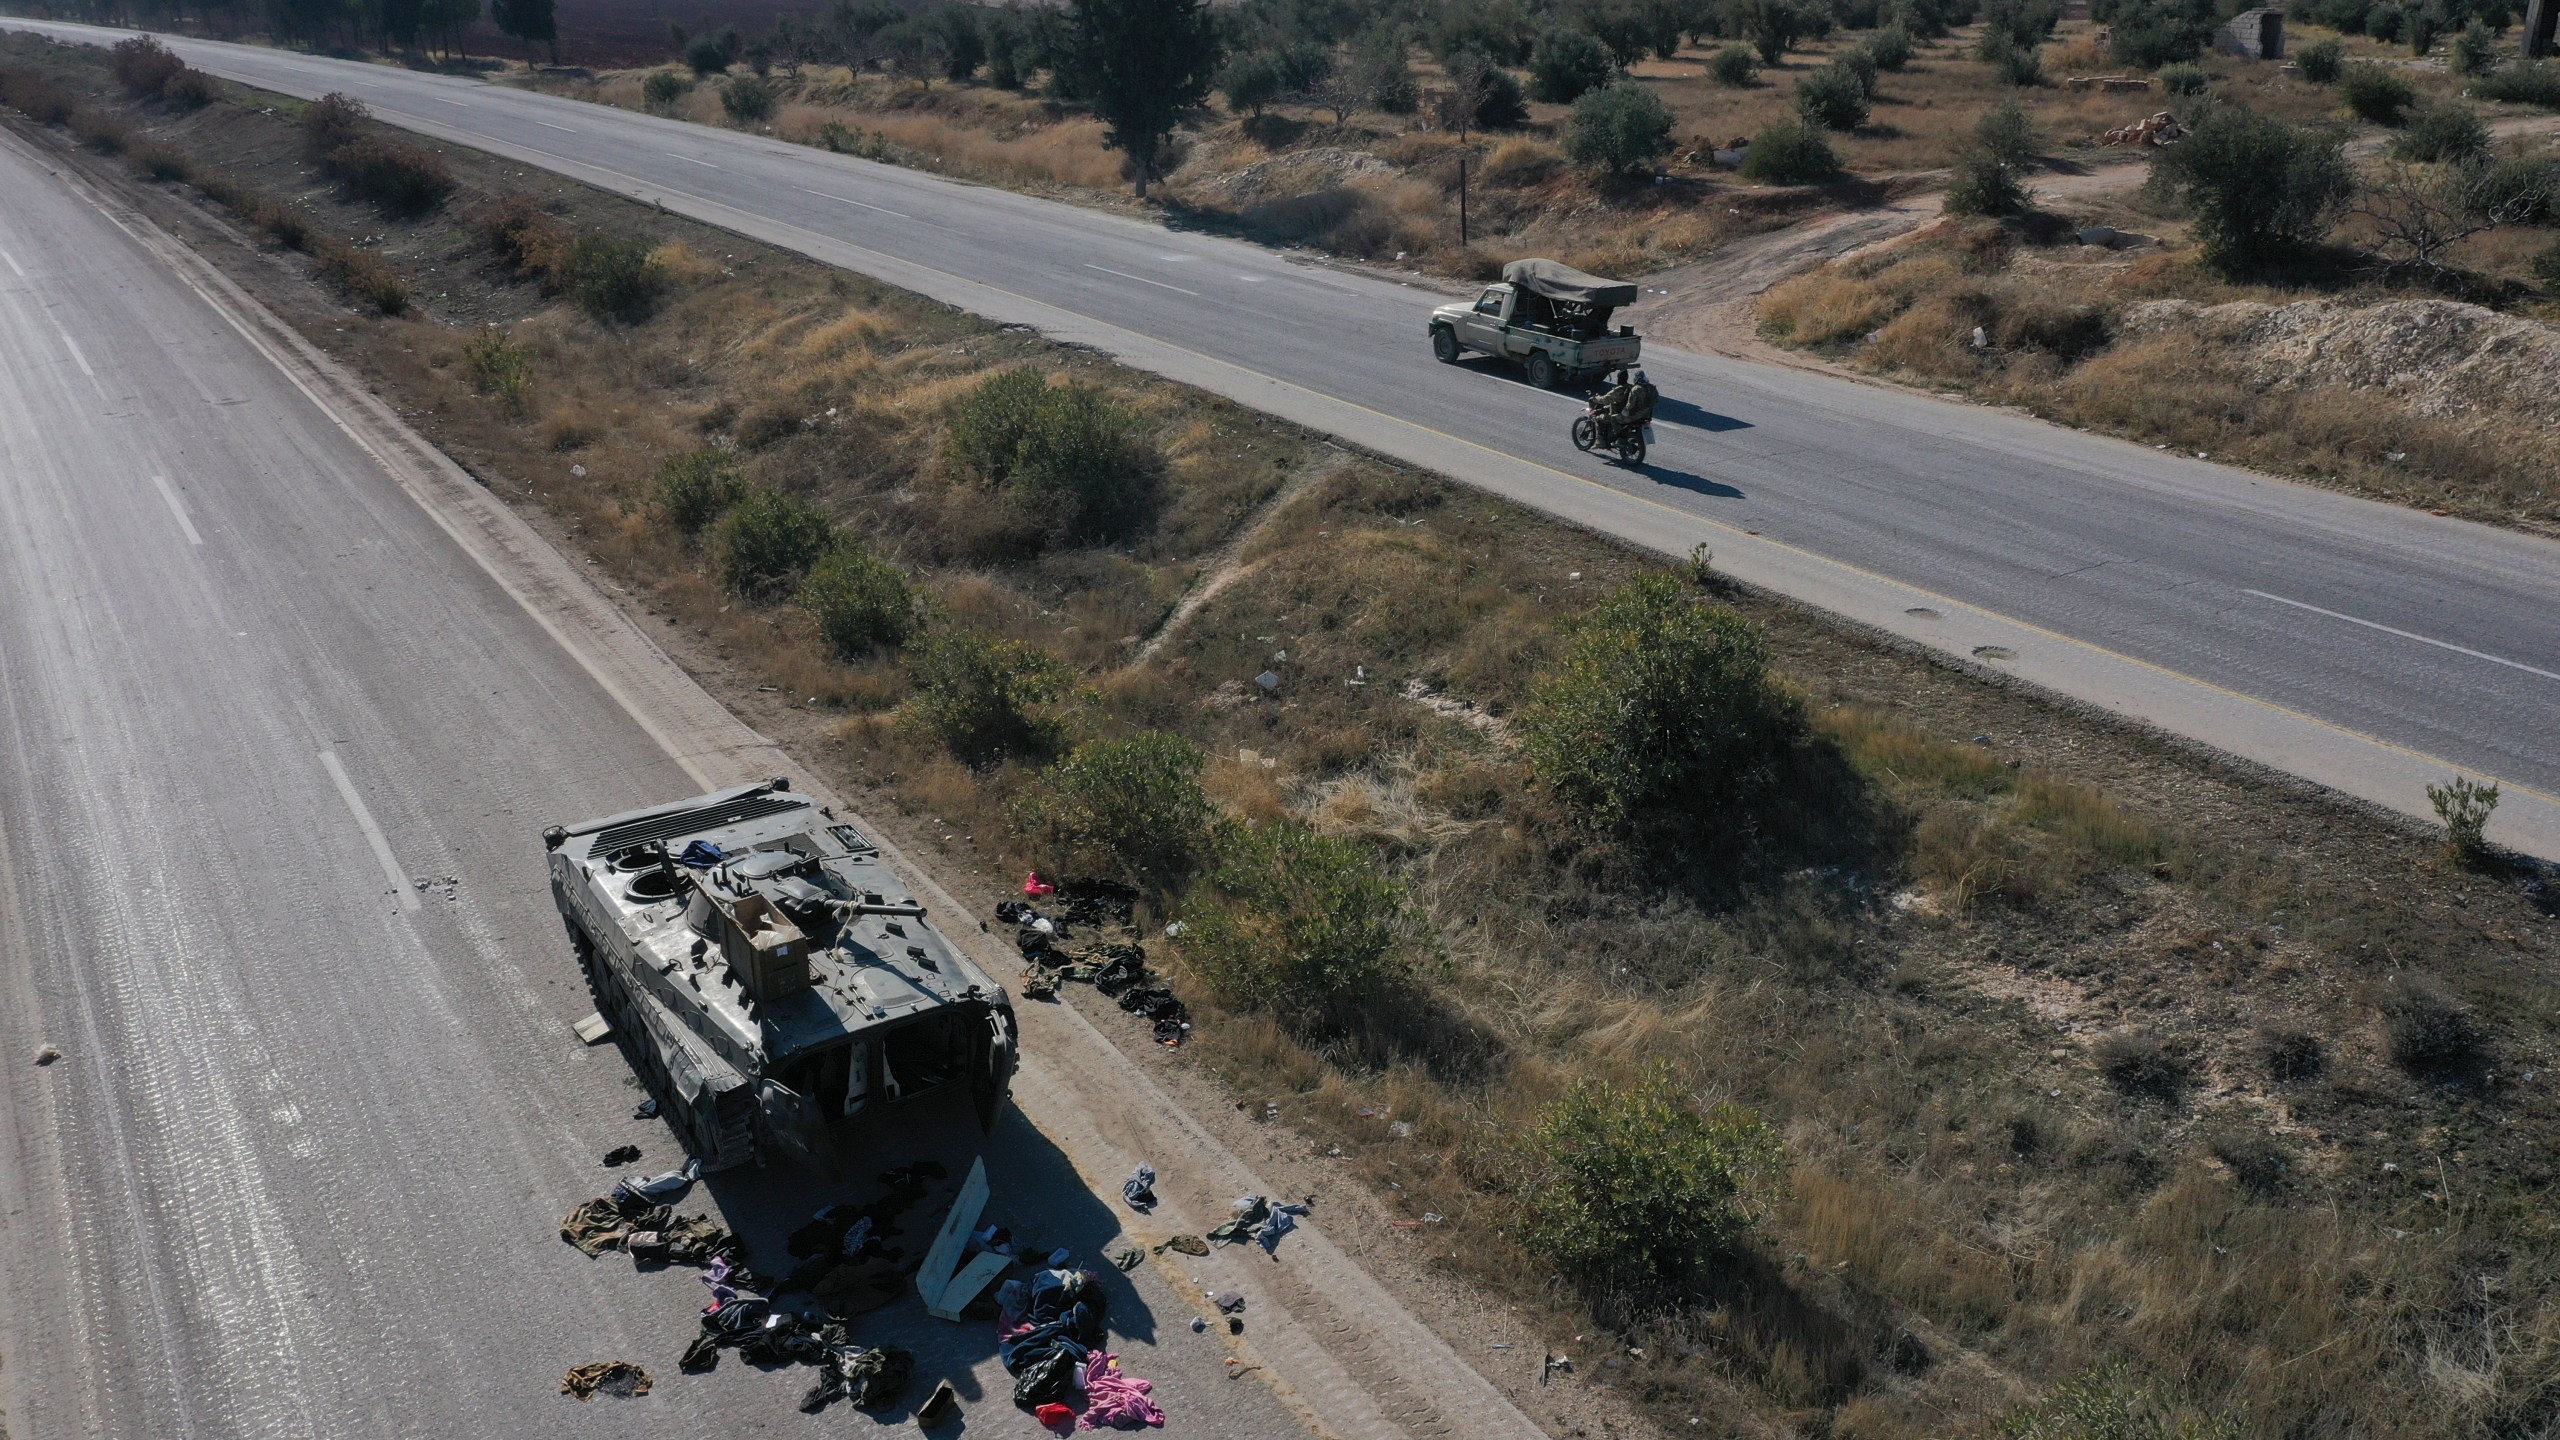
column 659, row 1189
column 2160, row 129
column 646, row 1109
column 1187, row 1244
column 943, row 1404
column 609, row 1377
column 1126, row 1258
column 1139, row 1190
column 622, row 1154
column 1057, row 947
column 594, row 1029
column 47, row 1054
column 1046, row 1345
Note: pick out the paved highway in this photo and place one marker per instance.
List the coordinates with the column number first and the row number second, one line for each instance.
column 2366, row 646
column 274, row 749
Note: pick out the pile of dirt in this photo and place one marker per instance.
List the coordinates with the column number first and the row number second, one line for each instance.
column 2438, row 357
column 1282, row 177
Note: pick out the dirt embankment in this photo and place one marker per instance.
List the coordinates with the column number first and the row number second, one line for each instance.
column 2091, row 1056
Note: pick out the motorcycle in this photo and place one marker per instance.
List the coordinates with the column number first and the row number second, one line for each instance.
column 1592, row 430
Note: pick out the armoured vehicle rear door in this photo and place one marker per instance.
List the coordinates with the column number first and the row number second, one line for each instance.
column 991, row 1071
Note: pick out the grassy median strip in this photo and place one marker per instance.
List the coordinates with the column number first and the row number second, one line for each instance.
column 1870, row 1049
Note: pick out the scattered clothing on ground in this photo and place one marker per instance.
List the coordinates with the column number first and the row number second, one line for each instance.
column 1187, row 1244
column 1227, row 1301
column 1116, row 1399
column 1054, row 1415
column 622, row 1154
column 601, row 1225
column 659, row 1189
column 1128, row 1257
column 1061, row 1323
column 613, row 1377
column 1140, row 1188
column 1250, row 1211
column 1282, row 1220
column 646, row 1109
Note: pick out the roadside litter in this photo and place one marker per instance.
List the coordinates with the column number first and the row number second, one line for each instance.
column 2160, row 129
column 1250, row 1212
column 646, row 1109
column 659, row 1189
column 611, row 1377
column 1187, row 1244
column 1127, row 1257
column 941, row 1405
column 1046, row 1347
column 1114, row 1399
column 622, row 1154
column 1054, row 944
column 1140, row 1188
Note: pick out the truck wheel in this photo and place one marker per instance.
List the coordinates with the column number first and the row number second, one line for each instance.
column 1542, row 370
column 1444, row 343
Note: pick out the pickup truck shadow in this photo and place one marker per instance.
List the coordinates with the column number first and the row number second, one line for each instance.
column 1668, row 411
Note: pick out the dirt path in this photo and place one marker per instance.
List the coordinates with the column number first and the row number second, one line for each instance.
column 1712, row 306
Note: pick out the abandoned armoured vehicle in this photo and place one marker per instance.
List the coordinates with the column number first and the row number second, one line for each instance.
column 775, row 984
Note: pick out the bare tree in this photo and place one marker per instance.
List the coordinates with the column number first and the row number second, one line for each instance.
column 2419, row 212
column 1471, row 81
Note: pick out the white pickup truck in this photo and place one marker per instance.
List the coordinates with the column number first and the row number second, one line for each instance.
column 1550, row 317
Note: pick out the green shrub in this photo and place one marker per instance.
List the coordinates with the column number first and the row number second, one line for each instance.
column 1983, row 184
column 2014, row 64
column 1890, row 47
column 2111, row 1403
column 1832, row 98
column 607, row 276
column 2525, row 187
column 2006, row 134
column 2447, row 131
column 2184, row 79
column 1132, row 809
column 190, row 89
column 1858, row 65
column 2429, row 1033
column 983, row 697
column 2321, row 61
column 155, row 161
column 1504, row 106
column 333, row 120
column 362, row 275
column 2386, row 22
column 707, row 56
column 1250, row 82
column 2464, row 805
column 402, row 179
column 142, row 65
column 2376, row 94
column 1067, row 453
column 499, row 370
column 860, row 601
column 1790, row 152
column 1302, row 926
column 284, row 225
column 1733, row 66
column 2156, row 34
column 664, row 88
column 2475, row 50
column 101, row 131
column 2261, row 190
column 1661, row 713
column 768, row 541
column 2137, row 1064
column 1618, row 132
column 748, row 100
column 1634, row 1191
column 2426, row 25
column 693, row 489
column 2525, row 82
column 1566, row 64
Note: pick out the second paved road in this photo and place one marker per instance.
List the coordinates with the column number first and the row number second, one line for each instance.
column 2430, row 634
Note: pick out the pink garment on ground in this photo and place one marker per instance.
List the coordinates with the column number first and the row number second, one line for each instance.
column 1033, row 885
column 1114, row 1399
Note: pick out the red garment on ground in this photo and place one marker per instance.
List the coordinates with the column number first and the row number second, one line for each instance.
column 1032, row 884
column 1053, row 1413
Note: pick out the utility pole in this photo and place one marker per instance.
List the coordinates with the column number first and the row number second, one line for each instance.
column 1462, row 202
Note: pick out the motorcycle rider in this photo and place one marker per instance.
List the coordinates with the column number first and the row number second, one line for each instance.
column 1629, row 402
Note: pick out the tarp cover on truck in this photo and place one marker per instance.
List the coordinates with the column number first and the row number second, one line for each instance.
column 1559, row 281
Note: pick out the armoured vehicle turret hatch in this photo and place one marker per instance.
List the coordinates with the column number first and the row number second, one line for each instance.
column 775, row 982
